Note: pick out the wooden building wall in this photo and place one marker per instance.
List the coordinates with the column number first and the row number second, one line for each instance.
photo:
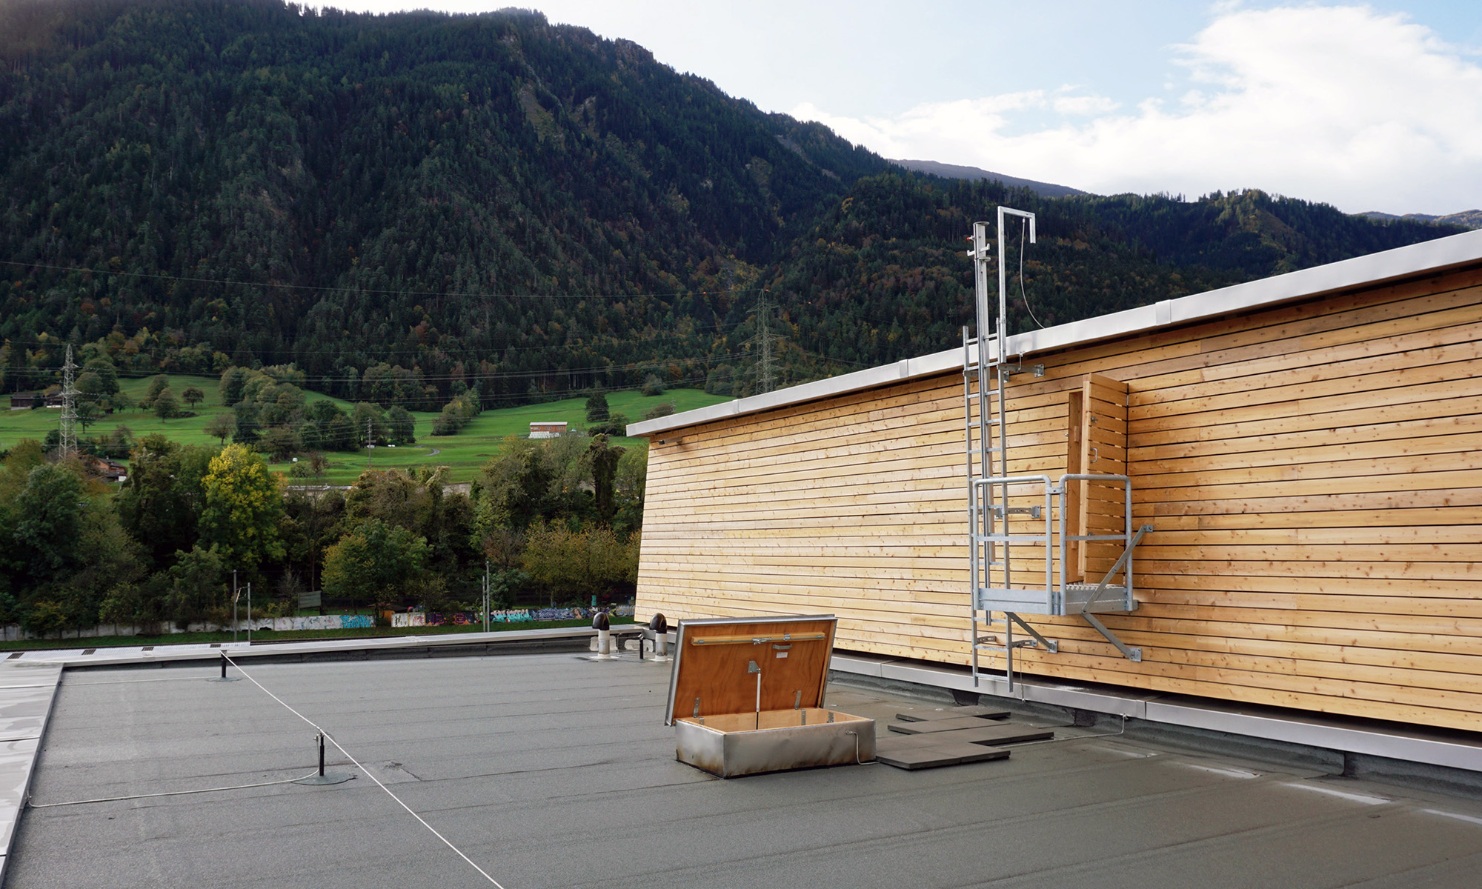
column 1313, row 472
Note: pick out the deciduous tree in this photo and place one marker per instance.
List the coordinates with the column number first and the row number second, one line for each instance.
column 375, row 564
column 243, row 504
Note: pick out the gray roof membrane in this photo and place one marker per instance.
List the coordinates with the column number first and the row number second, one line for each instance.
column 551, row 770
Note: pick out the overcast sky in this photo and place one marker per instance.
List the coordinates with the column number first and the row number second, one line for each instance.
column 1366, row 107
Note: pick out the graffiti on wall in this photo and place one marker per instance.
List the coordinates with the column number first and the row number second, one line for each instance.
column 510, row 616
column 14, row 632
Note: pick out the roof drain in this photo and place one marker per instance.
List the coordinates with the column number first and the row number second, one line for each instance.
column 603, row 625
column 659, row 626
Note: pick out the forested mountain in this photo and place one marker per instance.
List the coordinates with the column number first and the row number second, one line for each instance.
column 497, row 203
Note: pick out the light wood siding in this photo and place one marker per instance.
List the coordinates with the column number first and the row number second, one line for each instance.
column 1313, row 472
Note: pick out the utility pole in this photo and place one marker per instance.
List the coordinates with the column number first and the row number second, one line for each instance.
column 370, row 443
column 68, row 444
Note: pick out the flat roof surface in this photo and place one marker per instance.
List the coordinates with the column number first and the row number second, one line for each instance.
column 552, row 769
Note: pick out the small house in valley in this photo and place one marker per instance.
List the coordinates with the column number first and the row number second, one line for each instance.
column 547, row 429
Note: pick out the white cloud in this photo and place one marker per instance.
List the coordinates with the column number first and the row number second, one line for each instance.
column 1339, row 104
column 1071, row 105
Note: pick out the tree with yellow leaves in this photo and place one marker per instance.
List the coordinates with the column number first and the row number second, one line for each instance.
column 243, row 507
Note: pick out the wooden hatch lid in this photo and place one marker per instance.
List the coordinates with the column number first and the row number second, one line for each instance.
column 717, row 663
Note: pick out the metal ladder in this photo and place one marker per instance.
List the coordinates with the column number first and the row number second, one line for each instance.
column 998, row 505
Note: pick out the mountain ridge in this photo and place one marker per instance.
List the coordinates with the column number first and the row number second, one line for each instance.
column 959, row 171
column 496, row 203
column 1471, row 219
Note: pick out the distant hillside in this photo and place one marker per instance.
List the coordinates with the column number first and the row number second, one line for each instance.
column 1471, row 219
column 486, row 199
column 494, row 202
column 883, row 274
column 955, row 171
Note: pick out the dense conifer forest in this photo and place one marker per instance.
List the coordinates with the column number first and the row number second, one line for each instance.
column 499, row 204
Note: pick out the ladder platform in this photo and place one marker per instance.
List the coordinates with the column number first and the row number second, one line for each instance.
column 1094, row 597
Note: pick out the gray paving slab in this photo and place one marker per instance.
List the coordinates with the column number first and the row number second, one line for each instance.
column 998, row 734
column 928, row 726
column 26, row 699
column 929, row 752
column 23, row 711
column 16, row 760
column 921, row 756
column 29, row 675
column 920, row 715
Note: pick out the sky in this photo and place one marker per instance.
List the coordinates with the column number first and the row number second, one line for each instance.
column 1373, row 106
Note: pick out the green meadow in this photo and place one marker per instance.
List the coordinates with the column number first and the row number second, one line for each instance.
column 463, row 454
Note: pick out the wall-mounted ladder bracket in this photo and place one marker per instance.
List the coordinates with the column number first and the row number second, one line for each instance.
column 1009, row 370
column 1003, row 512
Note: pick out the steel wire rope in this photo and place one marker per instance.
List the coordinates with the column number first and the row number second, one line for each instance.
column 114, row 799
column 327, row 736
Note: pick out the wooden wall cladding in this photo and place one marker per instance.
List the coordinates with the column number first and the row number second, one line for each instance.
column 1313, row 472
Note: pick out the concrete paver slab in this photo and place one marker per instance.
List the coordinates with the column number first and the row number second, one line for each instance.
column 919, row 715
column 922, row 756
column 17, row 759
column 29, row 675
column 932, row 752
column 946, row 724
column 999, row 734
column 23, row 711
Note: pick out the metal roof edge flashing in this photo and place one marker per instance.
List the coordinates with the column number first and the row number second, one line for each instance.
column 857, row 381
column 1309, row 729
column 1428, row 257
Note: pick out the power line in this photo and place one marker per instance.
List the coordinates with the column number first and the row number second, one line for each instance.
column 321, row 288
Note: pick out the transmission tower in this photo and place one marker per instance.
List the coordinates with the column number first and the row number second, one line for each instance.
column 68, row 445
column 765, row 378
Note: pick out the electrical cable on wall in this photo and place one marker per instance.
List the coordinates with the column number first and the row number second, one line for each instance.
column 1024, row 227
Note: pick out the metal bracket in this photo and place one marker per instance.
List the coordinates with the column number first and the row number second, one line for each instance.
column 1131, row 654
column 1033, row 512
column 1117, row 566
column 1049, row 645
column 1009, row 370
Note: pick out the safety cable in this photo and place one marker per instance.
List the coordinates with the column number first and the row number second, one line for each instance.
column 114, row 799
column 330, row 738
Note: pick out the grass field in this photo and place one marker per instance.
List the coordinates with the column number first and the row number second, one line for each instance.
column 463, row 454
